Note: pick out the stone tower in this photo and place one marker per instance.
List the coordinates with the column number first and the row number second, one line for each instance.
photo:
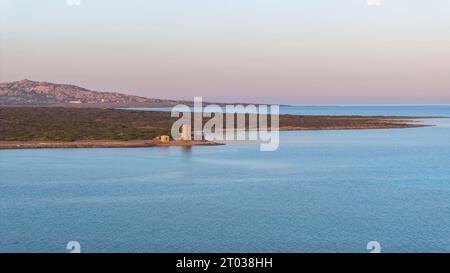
column 185, row 132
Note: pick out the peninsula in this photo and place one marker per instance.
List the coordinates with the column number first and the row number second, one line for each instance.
column 58, row 127
column 38, row 114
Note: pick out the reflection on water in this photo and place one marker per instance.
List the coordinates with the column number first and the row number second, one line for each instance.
column 187, row 150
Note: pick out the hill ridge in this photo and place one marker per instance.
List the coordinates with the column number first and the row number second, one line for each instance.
column 27, row 92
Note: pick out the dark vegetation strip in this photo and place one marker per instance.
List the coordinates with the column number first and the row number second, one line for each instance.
column 70, row 124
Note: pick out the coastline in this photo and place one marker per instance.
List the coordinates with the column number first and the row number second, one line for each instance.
column 8, row 145
column 35, row 144
column 41, row 127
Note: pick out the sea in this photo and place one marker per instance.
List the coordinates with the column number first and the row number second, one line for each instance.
column 321, row 191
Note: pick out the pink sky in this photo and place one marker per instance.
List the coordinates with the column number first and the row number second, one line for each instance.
column 324, row 51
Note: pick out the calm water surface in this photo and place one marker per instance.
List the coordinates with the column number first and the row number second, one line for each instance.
column 363, row 110
column 322, row 191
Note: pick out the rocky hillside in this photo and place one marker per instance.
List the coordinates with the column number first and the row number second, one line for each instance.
column 26, row 92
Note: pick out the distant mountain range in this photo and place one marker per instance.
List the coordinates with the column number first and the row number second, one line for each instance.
column 35, row 93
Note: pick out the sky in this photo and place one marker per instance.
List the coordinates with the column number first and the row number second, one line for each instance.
column 274, row 51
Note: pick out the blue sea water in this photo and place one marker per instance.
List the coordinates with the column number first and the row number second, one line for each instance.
column 321, row 191
column 359, row 110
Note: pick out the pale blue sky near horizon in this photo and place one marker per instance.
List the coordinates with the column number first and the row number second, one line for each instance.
column 279, row 51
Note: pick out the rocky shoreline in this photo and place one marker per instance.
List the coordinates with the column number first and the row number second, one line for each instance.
column 101, row 144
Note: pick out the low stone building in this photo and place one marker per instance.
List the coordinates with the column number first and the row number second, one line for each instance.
column 164, row 138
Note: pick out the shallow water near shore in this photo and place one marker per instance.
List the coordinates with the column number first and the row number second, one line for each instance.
column 321, row 191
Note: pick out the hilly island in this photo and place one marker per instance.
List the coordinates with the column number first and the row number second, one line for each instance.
column 46, row 115
column 36, row 93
